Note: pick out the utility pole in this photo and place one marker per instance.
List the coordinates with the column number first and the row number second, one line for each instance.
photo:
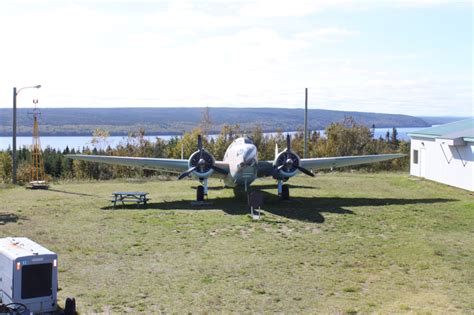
column 305, row 153
column 14, row 138
column 182, row 145
column 15, row 93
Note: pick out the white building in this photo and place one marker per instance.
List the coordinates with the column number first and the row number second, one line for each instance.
column 445, row 154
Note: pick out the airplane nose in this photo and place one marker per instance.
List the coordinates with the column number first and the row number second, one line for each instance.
column 250, row 156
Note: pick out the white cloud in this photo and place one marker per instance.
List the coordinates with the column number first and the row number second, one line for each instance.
column 188, row 16
column 192, row 54
column 327, row 33
column 300, row 8
column 281, row 8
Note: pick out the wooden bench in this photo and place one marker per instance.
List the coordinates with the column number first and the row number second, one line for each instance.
column 129, row 196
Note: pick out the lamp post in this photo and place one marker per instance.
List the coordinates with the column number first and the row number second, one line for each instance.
column 305, row 151
column 15, row 93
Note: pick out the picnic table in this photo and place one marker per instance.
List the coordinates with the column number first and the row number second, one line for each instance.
column 130, row 196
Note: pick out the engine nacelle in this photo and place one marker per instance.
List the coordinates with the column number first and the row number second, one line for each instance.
column 286, row 164
column 203, row 162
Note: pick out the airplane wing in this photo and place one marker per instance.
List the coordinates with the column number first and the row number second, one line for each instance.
column 172, row 165
column 158, row 164
column 265, row 168
column 340, row 161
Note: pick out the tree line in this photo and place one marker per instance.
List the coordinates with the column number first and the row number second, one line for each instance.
column 341, row 139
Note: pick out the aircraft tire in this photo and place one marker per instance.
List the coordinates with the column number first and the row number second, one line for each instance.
column 70, row 306
column 200, row 193
column 285, row 192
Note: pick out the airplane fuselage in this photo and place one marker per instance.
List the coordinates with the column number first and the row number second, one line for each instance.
column 241, row 157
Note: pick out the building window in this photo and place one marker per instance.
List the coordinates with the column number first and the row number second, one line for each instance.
column 415, row 156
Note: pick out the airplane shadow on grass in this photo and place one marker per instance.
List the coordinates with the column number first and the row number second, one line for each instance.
column 258, row 187
column 309, row 209
column 72, row 193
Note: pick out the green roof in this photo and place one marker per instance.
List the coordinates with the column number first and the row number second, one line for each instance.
column 458, row 129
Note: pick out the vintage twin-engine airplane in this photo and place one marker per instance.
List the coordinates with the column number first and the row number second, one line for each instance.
column 240, row 166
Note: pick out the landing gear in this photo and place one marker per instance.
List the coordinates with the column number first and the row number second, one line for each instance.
column 283, row 190
column 70, row 306
column 201, row 191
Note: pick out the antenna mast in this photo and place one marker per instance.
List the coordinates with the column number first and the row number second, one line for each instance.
column 38, row 178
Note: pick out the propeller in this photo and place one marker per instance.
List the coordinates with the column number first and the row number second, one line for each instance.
column 202, row 161
column 290, row 160
column 305, row 171
column 189, row 171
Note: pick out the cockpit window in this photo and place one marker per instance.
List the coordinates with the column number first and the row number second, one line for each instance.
column 243, row 140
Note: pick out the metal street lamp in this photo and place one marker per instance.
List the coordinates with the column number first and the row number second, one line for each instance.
column 15, row 93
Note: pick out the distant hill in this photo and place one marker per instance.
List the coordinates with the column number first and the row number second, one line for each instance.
column 434, row 120
column 121, row 121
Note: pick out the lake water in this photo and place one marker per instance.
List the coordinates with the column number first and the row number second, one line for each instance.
column 79, row 142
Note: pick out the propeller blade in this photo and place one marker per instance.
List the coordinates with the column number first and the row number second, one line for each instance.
column 200, row 149
column 189, row 171
column 219, row 170
column 288, row 142
column 199, row 142
column 307, row 172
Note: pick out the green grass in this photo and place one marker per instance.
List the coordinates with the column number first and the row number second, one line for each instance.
column 346, row 243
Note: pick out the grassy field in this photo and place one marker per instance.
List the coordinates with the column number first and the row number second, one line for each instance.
column 346, row 243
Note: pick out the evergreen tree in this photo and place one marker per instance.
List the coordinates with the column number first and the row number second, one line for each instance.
column 394, row 138
column 6, row 166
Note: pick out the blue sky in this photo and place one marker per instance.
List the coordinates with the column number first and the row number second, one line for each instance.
column 406, row 56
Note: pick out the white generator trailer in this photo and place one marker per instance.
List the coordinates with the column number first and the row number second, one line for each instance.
column 28, row 274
